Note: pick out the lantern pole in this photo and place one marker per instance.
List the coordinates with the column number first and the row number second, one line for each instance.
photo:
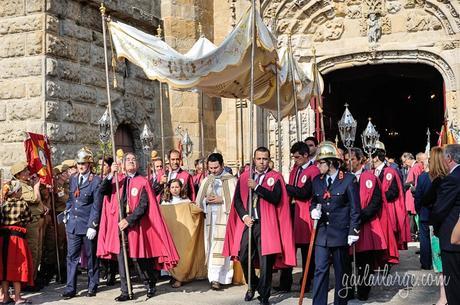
column 112, row 134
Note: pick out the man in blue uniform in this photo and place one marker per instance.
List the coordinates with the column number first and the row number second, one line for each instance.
column 83, row 211
column 335, row 204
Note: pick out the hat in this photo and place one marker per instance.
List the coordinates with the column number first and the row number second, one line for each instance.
column 380, row 145
column 327, row 150
column 69, row 163
column 154, row 155
column 18, row 167
column 14, row 187
column 84, row 155
column 57, row 170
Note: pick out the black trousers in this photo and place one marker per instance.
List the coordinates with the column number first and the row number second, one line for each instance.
column 365, row 264
column 451, row 272
column 266, row 262
column 144, row 267
column 286, row 278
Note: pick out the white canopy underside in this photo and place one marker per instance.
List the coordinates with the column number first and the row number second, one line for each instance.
column 222, row 71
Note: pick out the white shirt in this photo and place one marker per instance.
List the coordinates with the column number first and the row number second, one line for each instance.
column 358, row 173
column 85, row 177
column 175, row 200
column 379, row 169
column 453, row 168
column 333, row 176
column 173, row 174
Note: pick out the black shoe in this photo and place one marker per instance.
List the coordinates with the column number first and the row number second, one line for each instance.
column 68, row 295
column 363, row 297
column 123, row 298
column 249, row 295
column 215, row 285
column 91, row 294
column 151, row 291
column 263, row 301
column 110, row 281
column 282, row 289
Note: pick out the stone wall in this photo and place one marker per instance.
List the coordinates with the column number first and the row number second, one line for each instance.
column 21, row 75
column 52, row 74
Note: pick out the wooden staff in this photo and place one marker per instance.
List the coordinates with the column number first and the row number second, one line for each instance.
column 278, row 112
column 251, row 137
column 112, row 134
column 307, row 264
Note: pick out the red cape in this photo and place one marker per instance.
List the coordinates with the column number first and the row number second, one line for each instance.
column 371, row 236
column 412, row 176
column 397, row 212
column 276, row 226
column 149, row 238
column 303, row 223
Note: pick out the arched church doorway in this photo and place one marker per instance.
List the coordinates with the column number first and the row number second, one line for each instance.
column 124, row 138
column 403, row 100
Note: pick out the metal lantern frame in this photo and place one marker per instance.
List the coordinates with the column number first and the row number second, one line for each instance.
column 347, row 128
column 369, row 137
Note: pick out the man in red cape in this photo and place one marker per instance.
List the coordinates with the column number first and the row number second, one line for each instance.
column 393, row 197
column 299, row 192
column 149, row 242
column 176, row 172
column 272, row 236
column 376, row 244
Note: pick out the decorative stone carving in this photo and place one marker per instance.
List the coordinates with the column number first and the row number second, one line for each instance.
column 448, row 45
column 374, row 29
column 373, row 6
column 386, row 25
column 393, row 7
column 354, row 2
column 396, row 56
column 420, row 21
column 354, row 12
column 414, row 3
column 331, row 30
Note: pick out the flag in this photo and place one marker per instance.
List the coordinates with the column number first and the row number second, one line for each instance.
column 446, row 136
column 38, row 155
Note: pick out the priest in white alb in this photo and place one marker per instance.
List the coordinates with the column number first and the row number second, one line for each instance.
column 215, row 198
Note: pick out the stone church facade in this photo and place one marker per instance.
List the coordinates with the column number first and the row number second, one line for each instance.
column 52, row 65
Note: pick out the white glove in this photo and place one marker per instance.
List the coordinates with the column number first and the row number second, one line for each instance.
column 91, row 233
column 352, row 239
column 316, row 214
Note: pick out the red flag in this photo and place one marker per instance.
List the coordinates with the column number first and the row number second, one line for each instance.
column 38, row 155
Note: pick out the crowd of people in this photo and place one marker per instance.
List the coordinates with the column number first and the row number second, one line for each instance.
column 356, row 211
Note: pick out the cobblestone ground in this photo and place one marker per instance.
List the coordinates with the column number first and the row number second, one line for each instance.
column 404, row 290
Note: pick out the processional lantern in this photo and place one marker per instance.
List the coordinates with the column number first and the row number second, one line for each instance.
column 347, row 128
column 146, row 139
column 370, row 136
column 104, row 128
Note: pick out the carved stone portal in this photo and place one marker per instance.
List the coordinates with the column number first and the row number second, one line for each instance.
column 421, row 21
column 331, row 30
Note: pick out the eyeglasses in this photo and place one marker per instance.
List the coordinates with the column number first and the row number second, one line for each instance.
column 322, row 162
column 81, row 163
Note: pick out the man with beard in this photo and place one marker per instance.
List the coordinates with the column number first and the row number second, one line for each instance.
column 299, row 192
column 271, row 227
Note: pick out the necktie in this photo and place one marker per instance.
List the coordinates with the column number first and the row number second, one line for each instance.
column 329, row 183
column 80, row 182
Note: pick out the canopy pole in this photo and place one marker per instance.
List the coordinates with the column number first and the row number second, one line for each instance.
column 278, row 112
column 294, row 91
column 241, row 132
column 162, row 131
column 318, row 98
column 112, row 134
column 202, row 124
column 251, row 136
